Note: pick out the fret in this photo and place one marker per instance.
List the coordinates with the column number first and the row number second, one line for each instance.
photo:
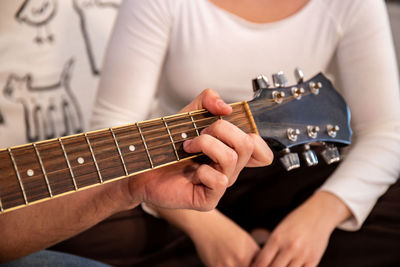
column 68, row 164
column 132, row 148
column 119, row 151
column 170, row 137
column 203, row 119
column 94, row 158
column 43, row 170
column 18, row 176
column 145, row 145
column 30, row 172
column 240, row 118
column 55, row 166
column 106, row 153
column 81, row 160
column 182, row 128
column 10, row 189
column 194, row 123
column 158, row 142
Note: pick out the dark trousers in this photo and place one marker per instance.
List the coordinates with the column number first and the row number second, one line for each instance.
column 261, row 197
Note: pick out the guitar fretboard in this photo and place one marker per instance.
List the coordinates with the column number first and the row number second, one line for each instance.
column 35, row 172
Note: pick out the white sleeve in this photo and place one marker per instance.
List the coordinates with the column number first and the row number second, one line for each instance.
column 133, row 62
column 369, row 79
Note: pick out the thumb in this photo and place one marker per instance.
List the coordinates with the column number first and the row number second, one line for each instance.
column 211, row 101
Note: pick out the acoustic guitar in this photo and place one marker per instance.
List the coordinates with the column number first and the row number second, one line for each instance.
column 310, row 112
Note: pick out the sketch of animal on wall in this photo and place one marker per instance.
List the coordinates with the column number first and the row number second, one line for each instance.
column 96, row 19
column 49, row 111
column 38, row 14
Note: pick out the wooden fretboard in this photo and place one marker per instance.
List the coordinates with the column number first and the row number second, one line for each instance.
column 39, row 171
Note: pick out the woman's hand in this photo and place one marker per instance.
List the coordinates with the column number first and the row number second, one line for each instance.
column 190, row 184
column 218, row 240
column 302, row 237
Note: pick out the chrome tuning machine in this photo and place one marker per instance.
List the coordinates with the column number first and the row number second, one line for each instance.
column 279, row 79
column 260, row 82
column 330, row 154
column 290, row 160
column 309, row 156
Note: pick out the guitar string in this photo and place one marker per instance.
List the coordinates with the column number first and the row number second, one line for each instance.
column 113, row 166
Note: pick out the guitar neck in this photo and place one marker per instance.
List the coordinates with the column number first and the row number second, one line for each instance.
column 40, row 171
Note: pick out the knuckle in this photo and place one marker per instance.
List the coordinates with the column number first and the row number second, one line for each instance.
column 295, row 245
column 231, row 157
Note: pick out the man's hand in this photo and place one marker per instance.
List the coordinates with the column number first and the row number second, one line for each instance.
column 200, row 186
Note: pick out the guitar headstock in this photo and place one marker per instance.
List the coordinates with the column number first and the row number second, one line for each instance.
column 308, row 113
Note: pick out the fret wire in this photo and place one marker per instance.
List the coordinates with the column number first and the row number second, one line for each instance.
column 18, row 175
column 94, row 158
column 68, row 163
column 43, row 170
column 194, row 123
column 145, row 145
column 1, row 206
column 119, row 151
column 170, row 137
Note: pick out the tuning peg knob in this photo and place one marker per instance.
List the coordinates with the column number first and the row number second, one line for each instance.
column 332, row 130
column 260, row 82
column 331, row 154
column 279, row 79
column 290, row 160
column 298, row 74
column 309, row 156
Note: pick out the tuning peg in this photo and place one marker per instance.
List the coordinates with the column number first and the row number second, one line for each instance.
column 314, row 87
column 290, row 160
column 312, row 131
column 297, row 92
column 279, row 79
column 298, row 73
column 292, row 134
column 260, row 82
column 332, row 130
column 309, row 156
column 330, row 154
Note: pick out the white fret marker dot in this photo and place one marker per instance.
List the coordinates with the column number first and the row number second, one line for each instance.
column 30, row 172
column 184, row 135
column 132, row 148
column 80, row 160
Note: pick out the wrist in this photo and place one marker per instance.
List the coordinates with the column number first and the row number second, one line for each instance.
column 119, row 196
column 331, row 209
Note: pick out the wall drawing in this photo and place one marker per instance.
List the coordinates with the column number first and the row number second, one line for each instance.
column 49, row 111
column 38, row 14
column 88, row 23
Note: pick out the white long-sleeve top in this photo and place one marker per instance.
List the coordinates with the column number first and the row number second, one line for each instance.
column 165, row 52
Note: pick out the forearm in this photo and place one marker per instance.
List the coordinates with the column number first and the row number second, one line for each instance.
column 39, row 226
